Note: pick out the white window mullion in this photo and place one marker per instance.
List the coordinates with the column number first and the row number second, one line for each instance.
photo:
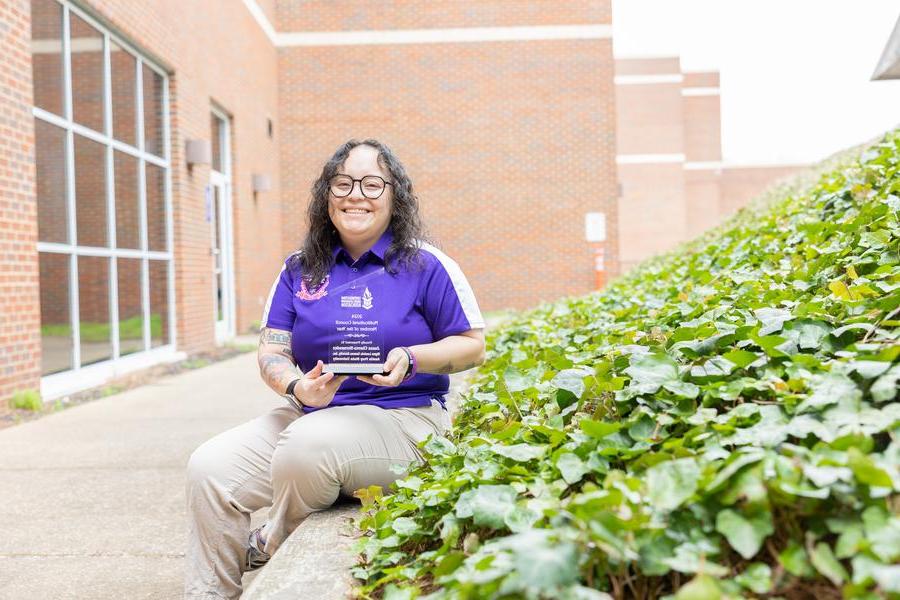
column 98, row 137
column 113, row 268
column 58, row 248
column 170, row 228
column 67, row 66
column 142, row 205
column 74, row 316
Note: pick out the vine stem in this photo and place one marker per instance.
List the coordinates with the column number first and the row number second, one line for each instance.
column 880, row 321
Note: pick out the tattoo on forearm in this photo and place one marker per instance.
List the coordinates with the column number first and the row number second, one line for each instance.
column 277, row 371
column 272, row 336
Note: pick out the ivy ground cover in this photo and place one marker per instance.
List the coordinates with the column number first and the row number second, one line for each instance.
column 723, row 422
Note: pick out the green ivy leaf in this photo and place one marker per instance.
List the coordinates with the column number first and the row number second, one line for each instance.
column 866, row 471
column 672, row 482
column 795, row 560
column 571, row 467
column 651, row 371
column 519, row 452
column 829, row 389
column 885, row 387
column 772, row 319
column 701, row 587
column 823, row 559
column 515, row 380
column 757, row 578
column 571, row 380
column 487, row 504
column 741, row 358
column 745, row 534
column 598, row 429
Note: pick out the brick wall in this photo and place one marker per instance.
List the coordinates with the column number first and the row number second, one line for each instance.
column 674, row 185
column 19, row 296
column 509, row 144
column 740, row 184
column 217, row 55
column 337, row 15
column 650, row 123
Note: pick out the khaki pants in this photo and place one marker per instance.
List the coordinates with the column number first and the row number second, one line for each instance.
column 296, row 464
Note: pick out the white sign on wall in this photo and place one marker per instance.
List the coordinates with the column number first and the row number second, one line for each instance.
column 595, row 226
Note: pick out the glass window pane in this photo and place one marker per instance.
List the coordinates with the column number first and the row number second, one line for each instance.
column 131, row 314
column 93, row 309
column 50, row 156
column 159, row 302
column 124, row 94
column 216, row 137
column 90, row 192
column 46, row 55
column 156, row 208
column 153, row 111
column 87, row 74
column 56, row 324
column 128, row 224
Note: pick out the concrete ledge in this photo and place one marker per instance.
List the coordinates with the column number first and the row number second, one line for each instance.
column 315, row 560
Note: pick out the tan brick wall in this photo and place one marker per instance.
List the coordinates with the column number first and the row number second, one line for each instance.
column 335, row 15
column 20, row 347
column 701, row 79
column 702, row 189
column 652, row 211
column 650, row 119
column 742, row 184
column 648, row 66
column 702, row 129
column 666, row 203
column 509, row 144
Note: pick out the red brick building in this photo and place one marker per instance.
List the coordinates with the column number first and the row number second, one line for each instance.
column 674, row 182
column 155, row 158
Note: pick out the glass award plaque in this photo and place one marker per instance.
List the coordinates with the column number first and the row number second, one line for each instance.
column 357, row 342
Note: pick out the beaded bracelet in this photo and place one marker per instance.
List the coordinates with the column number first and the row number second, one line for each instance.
column 413, row 365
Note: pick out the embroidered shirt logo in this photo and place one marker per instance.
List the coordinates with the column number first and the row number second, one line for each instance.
column 305, row 294
column 367, row 299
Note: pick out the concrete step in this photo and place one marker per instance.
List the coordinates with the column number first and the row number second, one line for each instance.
column 314, row 562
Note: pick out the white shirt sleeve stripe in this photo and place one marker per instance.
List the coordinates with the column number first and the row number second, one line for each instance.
column 265, row 317
column 460, row 284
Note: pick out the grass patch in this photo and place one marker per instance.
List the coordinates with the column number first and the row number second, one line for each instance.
column 129, row 329
column 26, row 400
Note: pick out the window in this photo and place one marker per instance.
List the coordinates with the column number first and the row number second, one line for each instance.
column 103, row 197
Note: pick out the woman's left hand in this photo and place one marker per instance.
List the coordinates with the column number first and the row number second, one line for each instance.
column 395, row 368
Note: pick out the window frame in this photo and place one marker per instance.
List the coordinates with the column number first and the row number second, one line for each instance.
column 81, row 377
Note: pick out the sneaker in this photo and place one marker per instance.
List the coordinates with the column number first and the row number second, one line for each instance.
column 256, row 556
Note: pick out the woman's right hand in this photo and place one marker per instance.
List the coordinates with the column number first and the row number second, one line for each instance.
column 317, row 390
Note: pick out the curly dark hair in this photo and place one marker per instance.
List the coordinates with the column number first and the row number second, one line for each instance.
column 315, row 257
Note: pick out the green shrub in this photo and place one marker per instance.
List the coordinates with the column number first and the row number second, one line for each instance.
column 26, row 400
column 720, row 423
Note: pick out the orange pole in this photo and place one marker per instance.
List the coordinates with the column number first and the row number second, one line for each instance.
column 599, row 265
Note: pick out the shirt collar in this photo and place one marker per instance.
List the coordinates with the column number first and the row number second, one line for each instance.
column 379, row 249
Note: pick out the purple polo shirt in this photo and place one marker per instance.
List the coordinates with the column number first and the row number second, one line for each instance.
column 416, row 305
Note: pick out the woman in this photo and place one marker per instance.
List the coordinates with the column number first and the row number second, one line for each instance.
column 362, row 280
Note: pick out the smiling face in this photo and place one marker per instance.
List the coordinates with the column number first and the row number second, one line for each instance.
column 360, row 221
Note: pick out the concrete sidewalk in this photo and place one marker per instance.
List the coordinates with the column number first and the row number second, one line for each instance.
column 93, row 496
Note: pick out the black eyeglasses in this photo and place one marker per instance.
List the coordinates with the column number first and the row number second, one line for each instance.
column 371, row 186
